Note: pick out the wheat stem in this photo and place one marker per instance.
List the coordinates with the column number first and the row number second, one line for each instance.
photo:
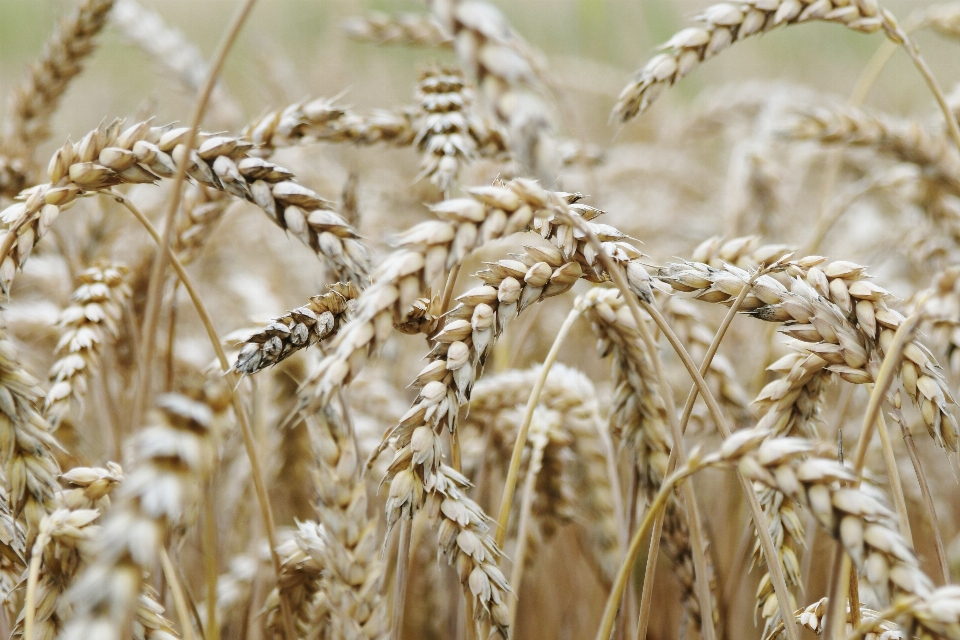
column 400, row 584
column 766, row 542
column 927, row 498
column 211, row 570
column 893, row 476
column 510, row 484
column 176, row 590
column 646, row 596
column 152, row 313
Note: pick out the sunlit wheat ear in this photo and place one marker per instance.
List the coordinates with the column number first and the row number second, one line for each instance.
column 638, row 418
column 172, row 459
column 726, row 23
column 410, row 29
column 37, row 98
column 90, row 320
column 319, row 319
column 835, row 313
column 110, row 156
column 353, row 572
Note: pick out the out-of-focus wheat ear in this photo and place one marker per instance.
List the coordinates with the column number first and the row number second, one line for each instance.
column 941, row 304
column 172, row 458
column 13, row 176
column 110, row 156
column 726, row 23
column 26, row 444
column 408, row 29
column 321, row 318
column 349, row 201
column 322, row 120
column 171, row 48
column 38, row 97
column 299, row 581
column 91, row 319
column 449, row 134
column 511, row 77
column 943, row 19
column 353, row 571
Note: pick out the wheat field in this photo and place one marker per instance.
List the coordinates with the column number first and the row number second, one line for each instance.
column 468, row 320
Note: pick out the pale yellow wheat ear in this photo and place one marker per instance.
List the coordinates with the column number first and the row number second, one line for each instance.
column 36, row 100
column 90, row 320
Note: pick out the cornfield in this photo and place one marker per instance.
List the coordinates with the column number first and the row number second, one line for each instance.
column 521, row 345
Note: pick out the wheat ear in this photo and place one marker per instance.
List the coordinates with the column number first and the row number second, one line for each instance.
column 638, row 417
column 109, row 156
column 319, row 319
column 96, row 308
column 38, row 97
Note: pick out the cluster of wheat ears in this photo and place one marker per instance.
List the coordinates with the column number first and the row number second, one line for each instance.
column 186, row 470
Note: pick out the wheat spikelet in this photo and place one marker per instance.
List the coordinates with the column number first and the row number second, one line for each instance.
column 92, row 317
column 814, row 618
column 321, row 318
column 409, row 29
column 109, row 156
column 200, row 211
column 729, row 22
column 639, row 417
column 172, row 459
column 835, row 313
column 35, row 101
column 353, row 607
